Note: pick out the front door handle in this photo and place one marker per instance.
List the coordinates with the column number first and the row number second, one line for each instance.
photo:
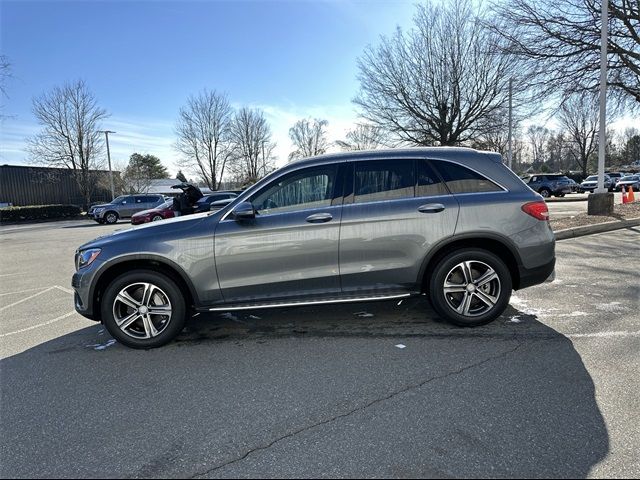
column 319, row 218
column 431, row 208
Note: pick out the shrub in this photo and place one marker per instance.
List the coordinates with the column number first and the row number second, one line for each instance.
column 38, row 212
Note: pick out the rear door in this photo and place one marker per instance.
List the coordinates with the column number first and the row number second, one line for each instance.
column 396, row 210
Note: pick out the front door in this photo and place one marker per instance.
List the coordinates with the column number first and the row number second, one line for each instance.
column 290, row 250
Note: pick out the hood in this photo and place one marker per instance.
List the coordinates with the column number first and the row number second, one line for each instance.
column 156, row 230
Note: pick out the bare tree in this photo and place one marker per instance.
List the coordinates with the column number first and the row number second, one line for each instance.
column 538, row 137
column 579, row 118
column 70, row 136
column 363, row 137
column 309, row 137
column 203, row 129
column 439, row 84
column 252, row 145
column 559, row 42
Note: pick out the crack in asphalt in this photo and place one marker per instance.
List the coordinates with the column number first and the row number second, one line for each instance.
column 361, row 408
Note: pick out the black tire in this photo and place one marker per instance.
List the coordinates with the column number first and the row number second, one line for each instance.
column 545, row 192
column 441, row 303
column 168, row 331
column 110, row 218
column 157, row 218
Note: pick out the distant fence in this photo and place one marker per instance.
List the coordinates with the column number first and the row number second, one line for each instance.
column 23, row 185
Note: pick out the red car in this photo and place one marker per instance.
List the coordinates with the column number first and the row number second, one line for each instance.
column 153, row 215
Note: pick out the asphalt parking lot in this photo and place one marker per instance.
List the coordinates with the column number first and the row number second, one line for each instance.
column 375, row 390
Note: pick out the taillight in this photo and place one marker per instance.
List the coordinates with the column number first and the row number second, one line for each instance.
column 537, row 210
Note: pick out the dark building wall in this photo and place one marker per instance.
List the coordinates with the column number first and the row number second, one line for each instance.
column 20, row 185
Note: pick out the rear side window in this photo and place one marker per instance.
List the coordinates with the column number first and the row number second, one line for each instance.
column 460, row 179
column 429, row 184
column 383, row 180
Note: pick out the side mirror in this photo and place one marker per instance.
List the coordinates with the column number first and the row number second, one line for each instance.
column 244, row 211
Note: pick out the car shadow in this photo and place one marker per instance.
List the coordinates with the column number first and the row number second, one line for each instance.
column 92, row 224
column 512, row 399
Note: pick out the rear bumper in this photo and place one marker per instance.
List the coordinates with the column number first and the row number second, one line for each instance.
column 537, row 275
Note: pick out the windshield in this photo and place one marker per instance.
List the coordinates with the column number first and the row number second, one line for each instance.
column 118, row 199
column 591, row 178
column 165, row 204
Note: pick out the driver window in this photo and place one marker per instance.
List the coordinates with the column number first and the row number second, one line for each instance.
column 302, row 190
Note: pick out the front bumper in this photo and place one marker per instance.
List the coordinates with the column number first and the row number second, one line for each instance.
column 82, row 301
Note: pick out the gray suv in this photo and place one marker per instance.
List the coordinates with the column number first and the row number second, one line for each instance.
column 124, row 206
column 453, row 223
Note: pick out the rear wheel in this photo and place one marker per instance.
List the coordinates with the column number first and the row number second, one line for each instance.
column 545, row 192
column 143, row 309
column 470, row 287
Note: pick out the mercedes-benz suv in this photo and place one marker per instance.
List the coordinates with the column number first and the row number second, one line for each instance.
column 453, row 223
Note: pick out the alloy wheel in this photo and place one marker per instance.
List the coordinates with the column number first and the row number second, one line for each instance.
column 472, row 288
column 142, row 310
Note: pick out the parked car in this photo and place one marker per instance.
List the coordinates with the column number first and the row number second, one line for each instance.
column 615, row 177
column 219, row 204
column 575, row 187
column 591, row 183
column 453, row 223
column 550, row 184
column 161, row 212
column 629, row 181
column 124, row 206
column 204, row 204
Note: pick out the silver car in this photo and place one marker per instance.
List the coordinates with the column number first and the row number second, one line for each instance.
column 453, row 223
column 124, row 206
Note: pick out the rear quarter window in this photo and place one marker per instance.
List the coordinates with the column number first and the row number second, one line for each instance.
column 461, row 179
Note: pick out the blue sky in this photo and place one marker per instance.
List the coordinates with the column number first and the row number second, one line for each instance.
column 142, row 60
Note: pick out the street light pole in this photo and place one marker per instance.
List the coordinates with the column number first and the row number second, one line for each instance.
column 106, row 136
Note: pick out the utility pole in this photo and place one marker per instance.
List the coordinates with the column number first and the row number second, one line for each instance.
column 603, row 95
column 510, row 153
column 600, row 202
column 106, row 136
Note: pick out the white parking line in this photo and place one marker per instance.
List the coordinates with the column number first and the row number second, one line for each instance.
column 23, row 291
column 65, row 290
column 39, row 325
column 10, row 274
column 26, row 298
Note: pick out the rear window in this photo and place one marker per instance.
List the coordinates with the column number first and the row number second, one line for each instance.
column 383, row 180
column 461, row 179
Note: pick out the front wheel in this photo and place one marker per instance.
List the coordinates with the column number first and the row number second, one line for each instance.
column 157, row 218
column 545, row 192
column 470, row 287
column 143, row 309
column 110, row 218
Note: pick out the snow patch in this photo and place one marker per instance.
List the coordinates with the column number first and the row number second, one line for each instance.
column 363, row 314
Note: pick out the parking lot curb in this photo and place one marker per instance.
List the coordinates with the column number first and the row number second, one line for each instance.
column 597, row 228
column 564, row 200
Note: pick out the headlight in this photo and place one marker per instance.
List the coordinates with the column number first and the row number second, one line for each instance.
column 98, row 210
column 85, row 258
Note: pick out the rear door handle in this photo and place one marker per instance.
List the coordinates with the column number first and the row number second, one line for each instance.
column 319, row 218
column 431, row 208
